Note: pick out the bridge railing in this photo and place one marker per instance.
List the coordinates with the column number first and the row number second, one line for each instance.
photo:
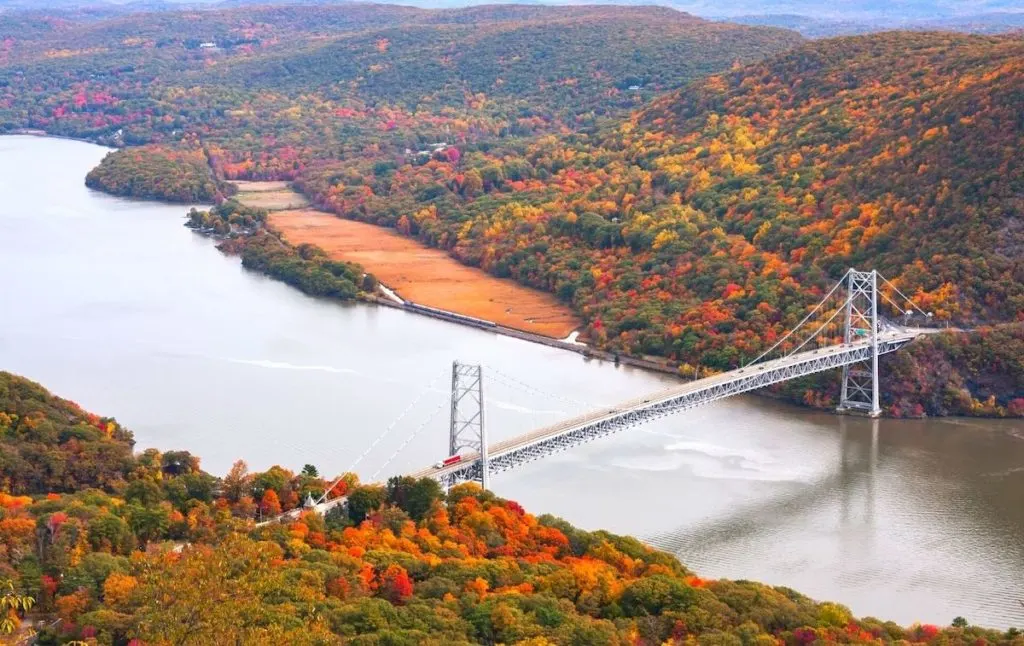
column 603, row 421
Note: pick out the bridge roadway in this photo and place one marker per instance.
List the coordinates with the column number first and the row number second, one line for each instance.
column 513, row 452
column 293, row 514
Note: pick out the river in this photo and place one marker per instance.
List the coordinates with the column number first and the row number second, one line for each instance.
column 113, row 303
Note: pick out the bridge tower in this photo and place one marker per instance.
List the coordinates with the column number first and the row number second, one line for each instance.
column 467, row 429
column 860, row 380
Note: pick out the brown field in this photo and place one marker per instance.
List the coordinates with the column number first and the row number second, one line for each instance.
column 272, row 196
column 428, row 276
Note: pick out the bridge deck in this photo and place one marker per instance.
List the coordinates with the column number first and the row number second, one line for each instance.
column 502, row 455
column 509, row 453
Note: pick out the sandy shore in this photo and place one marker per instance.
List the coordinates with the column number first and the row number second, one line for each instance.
column 414, row 271
column 427, row 276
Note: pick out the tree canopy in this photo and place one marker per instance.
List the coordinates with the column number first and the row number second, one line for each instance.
column 167, row 554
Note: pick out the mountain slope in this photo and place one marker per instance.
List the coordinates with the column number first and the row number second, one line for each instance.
column 900, row 151
column 323, row 77
column 698, row 228
column 587, row 56
column 405, row 563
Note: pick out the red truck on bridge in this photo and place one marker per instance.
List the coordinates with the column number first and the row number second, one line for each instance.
column 447, row 462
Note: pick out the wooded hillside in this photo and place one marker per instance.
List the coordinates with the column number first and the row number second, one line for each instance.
column 698, row 229
column 717, row 213
column 167, row 554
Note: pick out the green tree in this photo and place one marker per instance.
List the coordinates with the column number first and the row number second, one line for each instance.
column 415, row 497
column 12, row 604
column 654, row 594
column 365, row 499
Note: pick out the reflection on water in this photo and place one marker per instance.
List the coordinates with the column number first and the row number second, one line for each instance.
column 115, row 304
column 888, row 503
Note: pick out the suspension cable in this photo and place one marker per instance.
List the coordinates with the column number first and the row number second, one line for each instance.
column 412, row 435
column 516, row 383
column 905, row 297
column 815, row 335
column 805, row 319
column 893, row 303
column 380, row 437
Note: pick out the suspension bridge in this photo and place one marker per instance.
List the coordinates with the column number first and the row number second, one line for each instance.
column 862, row 317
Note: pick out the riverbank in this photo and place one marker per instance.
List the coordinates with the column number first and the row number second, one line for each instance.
column 567, row 343
column 42, row 134
column 413, row 271
column 124, row 310
column 428, row 282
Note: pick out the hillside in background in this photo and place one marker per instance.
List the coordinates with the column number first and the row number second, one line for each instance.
column 996, row 22
column 513, row 62
column 537, row 59
column 694, row 223
column 697, row 228
column 811, row 18
column 163, row 553
column 268, row 90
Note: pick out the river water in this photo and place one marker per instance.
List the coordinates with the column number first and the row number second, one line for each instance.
column 114, row 304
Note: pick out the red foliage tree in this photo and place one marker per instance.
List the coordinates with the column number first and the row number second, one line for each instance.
column 270, row 504
column 395, row 584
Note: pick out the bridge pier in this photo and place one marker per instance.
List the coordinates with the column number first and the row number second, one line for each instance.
column 467, row 430
column 860, row 380
column 865, row 335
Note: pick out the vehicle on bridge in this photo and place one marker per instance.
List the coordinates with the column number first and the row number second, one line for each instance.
column 447, row 462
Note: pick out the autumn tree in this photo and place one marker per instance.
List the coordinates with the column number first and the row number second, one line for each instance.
column 395, row 585
column 215, row 595
column 237, row 482
column 12, row 607
column 269, row 504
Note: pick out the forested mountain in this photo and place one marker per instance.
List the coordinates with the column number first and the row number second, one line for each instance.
column 996, row 22
column 897, row 150
column 696, row 229
column 547, row 58
column 299, row 83
column 694, row 226
column 151, row 550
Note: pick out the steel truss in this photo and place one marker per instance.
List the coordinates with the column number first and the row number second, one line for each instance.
column 860, row 379
column 467, row 416
column 641, row 411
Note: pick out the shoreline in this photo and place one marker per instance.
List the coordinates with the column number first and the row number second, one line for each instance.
column 42, row 134
column 388, row 296
column 586, row 351
column 423, row 276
